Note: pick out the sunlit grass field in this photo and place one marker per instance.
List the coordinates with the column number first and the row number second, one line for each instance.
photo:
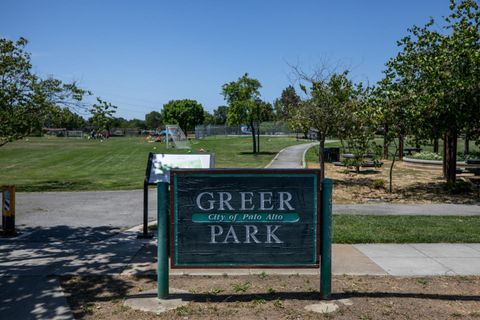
column 68, row 164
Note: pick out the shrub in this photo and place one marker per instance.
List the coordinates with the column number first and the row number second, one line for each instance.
column 426, row 155
column 472, row 155
column 378, row 184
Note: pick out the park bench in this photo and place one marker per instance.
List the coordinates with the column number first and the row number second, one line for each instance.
column 364, row 164
column 473, row 166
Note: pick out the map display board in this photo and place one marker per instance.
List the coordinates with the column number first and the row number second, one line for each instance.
column 159, row 165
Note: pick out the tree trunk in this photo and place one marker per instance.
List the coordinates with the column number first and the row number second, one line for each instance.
column 258, row 137
column 435, row 145
column 385, row 142
column 254, row 138
column 444, row 157
column 390, row 184
column 321, row 158
column 466, row 149
column 451, row 155
column 400, row 147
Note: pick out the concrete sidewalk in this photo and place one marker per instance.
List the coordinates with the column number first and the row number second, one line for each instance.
column 409, row 260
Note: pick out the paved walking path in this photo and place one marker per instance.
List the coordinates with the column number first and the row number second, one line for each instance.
column 83, row 233
column 291, row 157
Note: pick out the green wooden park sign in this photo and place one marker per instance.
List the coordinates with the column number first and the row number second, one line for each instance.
column 245, row 218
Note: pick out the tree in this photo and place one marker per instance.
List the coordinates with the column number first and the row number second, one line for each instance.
column 186, row 113
column 25, row 99
column 63, row 118
column 299, row 119
column 208, row 118
column 242, row 96
column 440, row 69
column 327, row 105
column 288, row 102
column 102, row 114
column 153, row 120
column 362, row 118
column 136, row 123
column 220, row 115
column 118, row 122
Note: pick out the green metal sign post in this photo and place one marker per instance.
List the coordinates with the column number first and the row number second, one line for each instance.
column 326, row 237
column 162, row 245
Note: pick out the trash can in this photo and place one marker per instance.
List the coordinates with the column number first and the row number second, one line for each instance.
column 331, row 154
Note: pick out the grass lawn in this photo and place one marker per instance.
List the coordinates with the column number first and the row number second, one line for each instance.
column 67, row 164
column 353, row 229
column 405, row 229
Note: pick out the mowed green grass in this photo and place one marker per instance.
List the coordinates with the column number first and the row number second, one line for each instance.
column 405, row 229
column 68, row 164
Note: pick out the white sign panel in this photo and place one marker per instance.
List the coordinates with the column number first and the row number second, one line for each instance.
column 162, row 163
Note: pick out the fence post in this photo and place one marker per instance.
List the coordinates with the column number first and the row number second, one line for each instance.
column 326, row 235
column 162, row 241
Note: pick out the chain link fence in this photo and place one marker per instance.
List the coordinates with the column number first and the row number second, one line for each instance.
column 266, row 128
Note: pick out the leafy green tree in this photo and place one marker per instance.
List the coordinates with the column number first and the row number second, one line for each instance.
column 362, row 118
column 25, row 99
column 208, row 118
column 136, row 123
column 64, row 118
column 186, row 113
column 118, row 122
column 327, row 106
column 243, row 107
column 288, row 102
column 220, row 115
column 153, row 120
column 440, row 71
column 102, row 114
column 299, row 119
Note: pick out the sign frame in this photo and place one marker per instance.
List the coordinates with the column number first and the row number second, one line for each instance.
column 317, row 192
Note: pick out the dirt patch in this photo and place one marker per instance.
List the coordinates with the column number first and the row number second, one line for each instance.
column 282, row 297
column 410, row 185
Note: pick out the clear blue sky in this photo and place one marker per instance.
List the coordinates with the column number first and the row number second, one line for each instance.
column 141, row 54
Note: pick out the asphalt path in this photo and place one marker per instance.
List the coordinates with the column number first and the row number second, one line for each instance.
column 82, row 209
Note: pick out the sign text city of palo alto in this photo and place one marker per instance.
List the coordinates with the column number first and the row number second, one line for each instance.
column 245, row 218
